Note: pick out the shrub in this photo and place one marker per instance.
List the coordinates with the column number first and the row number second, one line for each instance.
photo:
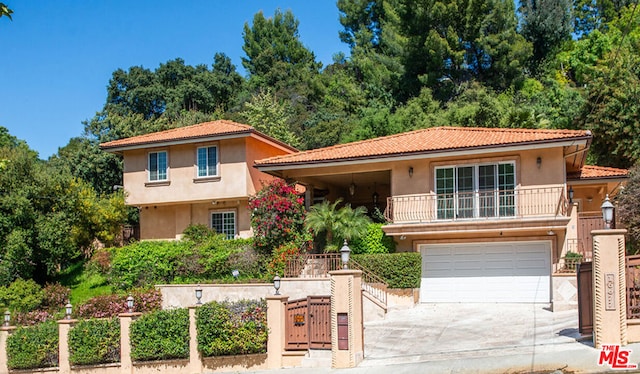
column 399, row 270
column 277, row 216
column 160, row 335
column 107, row 306
column 21, row 296
column 33, row 347
column 374, row 241
column 198, row 233
column 232, row 328
column 95, row 341
column 280, row 257
column 55, row 297
column 34, row 317
column 146, row 263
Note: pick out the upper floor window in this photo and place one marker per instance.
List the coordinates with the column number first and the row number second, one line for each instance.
column 473, row 191
column 158, row 166
column 224, row 222
column 208, row 161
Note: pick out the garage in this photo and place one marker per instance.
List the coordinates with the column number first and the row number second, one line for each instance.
column 486, row 272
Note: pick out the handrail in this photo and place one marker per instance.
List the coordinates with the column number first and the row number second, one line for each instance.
column 373, row 284
column 477, row 205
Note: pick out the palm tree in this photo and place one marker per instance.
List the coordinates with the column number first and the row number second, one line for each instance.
column 345, row 223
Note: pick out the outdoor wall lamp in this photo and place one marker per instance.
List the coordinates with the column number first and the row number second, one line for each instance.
column 68, row 309
column 130, row 303
column 7, row 317
column 410, row 171
column 539, row 162
column 198, row 295
column 607, row 212
column 276, row 284
column 570, row 194
column 345, row 251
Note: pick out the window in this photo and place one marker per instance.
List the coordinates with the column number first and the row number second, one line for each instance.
column 224, row 223
column 158, row 166
column 475, row 191
column 208, row 161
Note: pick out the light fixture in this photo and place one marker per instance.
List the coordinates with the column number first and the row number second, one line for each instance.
column 198, row 295
column 402, row 237
column 276, row 284
column 539, row 162
column 607, row 212
column 130, row 303
column 352, row 187
column 345, row 251
column 410, row 171
column 550, row 233
column 375, row 195
column 7, row 317
column 68, row 309
column 570, row 194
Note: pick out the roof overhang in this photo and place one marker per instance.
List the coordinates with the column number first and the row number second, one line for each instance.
column 274, row 168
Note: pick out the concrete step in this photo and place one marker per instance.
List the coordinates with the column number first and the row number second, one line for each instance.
column 317, row 358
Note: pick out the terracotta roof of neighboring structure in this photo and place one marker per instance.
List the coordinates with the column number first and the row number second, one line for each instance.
column 430, row 140
column 597, row 172
column 201, row 131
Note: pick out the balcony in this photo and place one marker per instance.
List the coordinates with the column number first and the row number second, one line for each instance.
column 520, row 203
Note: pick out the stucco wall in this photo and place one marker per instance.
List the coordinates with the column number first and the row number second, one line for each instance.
column 181, row 296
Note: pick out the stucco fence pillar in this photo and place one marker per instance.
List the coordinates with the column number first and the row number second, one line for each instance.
column 276, row 305
column 347, row 325
column 609, row 288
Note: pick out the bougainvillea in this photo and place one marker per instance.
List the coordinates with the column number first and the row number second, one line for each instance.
column 277, row 216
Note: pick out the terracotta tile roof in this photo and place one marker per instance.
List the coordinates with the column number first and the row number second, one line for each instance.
column 597, row 172
column 202, row 130
column 435, row 139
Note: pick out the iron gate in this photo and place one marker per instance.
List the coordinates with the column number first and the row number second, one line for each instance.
column 308, row 323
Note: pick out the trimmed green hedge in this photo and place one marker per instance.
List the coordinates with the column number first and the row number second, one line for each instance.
column 232, row 328
column 400, row 270
column 160, row 335
column 95, row 341
column 33, row 347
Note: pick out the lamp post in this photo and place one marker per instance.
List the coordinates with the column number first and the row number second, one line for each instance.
column 570, row 194
column 68, row 309
column 198, row 295
column 130, row 303
column 607, row 212
column 7, row 317
column 276, row 284
column 345, row 251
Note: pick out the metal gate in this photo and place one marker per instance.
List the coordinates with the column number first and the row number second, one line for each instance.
column 585, row 298
column 308, row 323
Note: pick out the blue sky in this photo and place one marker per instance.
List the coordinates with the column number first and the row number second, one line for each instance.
column 56, row 57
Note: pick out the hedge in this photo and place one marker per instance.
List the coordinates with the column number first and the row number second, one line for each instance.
column 95, row 341
column 33, row 347
column 399, row 270
column 160, row 335
column 232, row 328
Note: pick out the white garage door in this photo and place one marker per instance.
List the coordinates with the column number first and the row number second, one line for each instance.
column 486, row 272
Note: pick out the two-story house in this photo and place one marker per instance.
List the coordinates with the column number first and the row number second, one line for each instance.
column 492, row 211
column 198, row 174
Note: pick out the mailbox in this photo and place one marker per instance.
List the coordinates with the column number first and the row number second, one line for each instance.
column 343, row 331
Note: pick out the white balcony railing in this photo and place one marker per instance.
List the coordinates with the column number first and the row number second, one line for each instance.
column 518, row 203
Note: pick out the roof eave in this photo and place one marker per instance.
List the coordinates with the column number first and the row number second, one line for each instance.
column 425, row 154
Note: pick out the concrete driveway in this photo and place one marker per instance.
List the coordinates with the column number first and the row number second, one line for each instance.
column 432, row 332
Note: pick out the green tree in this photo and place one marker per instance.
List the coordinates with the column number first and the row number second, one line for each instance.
column 5, row 11
column 270, row 116
column 546, row 24
column 628, row 209
column 341, row 224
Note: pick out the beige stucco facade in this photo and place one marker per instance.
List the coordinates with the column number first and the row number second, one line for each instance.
column 170, row 205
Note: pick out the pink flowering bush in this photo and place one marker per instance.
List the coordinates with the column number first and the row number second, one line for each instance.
column 277, row 216
column 106, row 306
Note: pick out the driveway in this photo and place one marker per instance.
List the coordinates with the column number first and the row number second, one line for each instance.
column 432, row 332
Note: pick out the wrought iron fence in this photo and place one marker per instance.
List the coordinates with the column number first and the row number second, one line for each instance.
column 633, row 287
